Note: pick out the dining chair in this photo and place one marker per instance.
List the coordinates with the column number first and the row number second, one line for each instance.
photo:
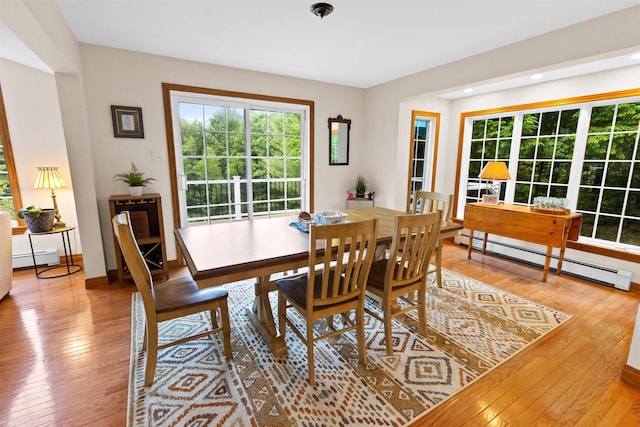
column 428, row 201
column 169, row 300
column 334, row 284
column 405, row 271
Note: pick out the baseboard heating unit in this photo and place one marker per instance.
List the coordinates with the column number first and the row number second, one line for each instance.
column 25, row 259
column 619, row 279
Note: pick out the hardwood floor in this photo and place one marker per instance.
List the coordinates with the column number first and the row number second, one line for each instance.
column 64, row 354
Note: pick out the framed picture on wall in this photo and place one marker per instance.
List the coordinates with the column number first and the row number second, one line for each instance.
column 127, row 122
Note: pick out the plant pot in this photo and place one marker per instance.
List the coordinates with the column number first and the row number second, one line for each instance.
column 41, row 224
column 135, row 191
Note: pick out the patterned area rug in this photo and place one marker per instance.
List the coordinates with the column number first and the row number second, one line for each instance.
column 472, row 328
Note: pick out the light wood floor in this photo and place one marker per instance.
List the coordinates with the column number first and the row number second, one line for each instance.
column 64, row 354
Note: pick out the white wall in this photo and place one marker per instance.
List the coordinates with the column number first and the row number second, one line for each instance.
column 37, row 139
column 117, row 77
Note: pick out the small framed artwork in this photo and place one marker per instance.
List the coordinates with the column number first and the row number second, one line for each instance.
column 490, row 199
column 127, row 122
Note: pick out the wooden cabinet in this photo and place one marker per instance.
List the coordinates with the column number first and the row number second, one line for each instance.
column 146, row 219
column 520, row 222
column 360, row 202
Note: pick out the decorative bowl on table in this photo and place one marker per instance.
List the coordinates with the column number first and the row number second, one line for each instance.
column 331, row 217
column 305, row 219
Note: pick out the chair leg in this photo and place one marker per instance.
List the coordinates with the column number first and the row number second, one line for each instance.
column 312, row 374
column 152, row 355
column 214, row 318
column 438, row 264
column 388, row 337
column 360, row 335
column 422, row 310
column 226, row 328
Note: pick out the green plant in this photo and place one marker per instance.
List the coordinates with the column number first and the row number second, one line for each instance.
column 361, row 185
column 32, row 211
column 134, row 178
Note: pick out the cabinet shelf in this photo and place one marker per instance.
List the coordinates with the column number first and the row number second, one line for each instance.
column 146, row 220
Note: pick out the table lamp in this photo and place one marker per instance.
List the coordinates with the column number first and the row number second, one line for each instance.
column 495, row 171
column 49, row 177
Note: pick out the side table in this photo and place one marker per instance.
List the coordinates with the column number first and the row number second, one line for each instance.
column 68, row 256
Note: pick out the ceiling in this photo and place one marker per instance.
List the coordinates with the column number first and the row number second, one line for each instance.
column 361, row 44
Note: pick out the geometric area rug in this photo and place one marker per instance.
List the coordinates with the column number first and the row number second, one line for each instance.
column 471, row 329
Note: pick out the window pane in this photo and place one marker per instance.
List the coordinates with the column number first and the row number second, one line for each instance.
column 607, row 228
column 564, row 147
column 592, row 173
column 561, row 172
column 612, row 201
column 630, row 232
column 617, row 174
column 633, row 204
column 601, row 118
column 549, row 123
column 627, row 117
column 597, row 146
column 588, row 199
column 569, row 121
column 622, row 146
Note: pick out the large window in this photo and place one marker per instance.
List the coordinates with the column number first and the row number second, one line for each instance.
column 239, row 158
column 586, row 152
column 9, row 188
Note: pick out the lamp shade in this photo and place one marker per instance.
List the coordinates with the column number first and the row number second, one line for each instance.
column 496, row 171
column 49, row 177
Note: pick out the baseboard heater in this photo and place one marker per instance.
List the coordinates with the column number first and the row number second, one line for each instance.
column 614, row 278
column 25, row 259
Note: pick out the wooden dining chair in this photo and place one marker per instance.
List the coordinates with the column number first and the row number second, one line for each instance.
column 169, row 300
column 404, row 272
column 334, row 284
column 428, row 201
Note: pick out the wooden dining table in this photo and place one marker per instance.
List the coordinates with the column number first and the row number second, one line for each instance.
column 226, row 252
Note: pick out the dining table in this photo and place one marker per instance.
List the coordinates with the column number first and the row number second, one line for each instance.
column 230, row 251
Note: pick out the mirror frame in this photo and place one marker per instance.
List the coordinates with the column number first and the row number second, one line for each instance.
column 342, row 143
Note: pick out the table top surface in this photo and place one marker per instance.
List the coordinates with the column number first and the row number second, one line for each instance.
column 229, row 247
column 523, row 209
column 54, row 230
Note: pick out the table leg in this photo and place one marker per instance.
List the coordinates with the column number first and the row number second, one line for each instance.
column 547, row 261
column 484, row 243
column 470, row 244
column 261, row 316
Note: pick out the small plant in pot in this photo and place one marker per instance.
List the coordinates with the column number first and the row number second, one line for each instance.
column 38, row 220
column 135, row 179
column 361, row 186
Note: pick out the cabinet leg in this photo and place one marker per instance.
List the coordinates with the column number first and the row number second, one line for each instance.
column 470, row 244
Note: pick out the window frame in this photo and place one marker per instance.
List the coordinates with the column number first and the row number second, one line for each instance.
column 431, row 152
column 583, row 102
column 169, row 89
column 18, row 225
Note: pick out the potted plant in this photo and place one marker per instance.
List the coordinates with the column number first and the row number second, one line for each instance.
column 38, row 220
column 361, row 186
column 135, row 179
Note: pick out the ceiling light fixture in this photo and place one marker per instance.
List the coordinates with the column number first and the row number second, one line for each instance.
column 536, row 76
column 321, row 9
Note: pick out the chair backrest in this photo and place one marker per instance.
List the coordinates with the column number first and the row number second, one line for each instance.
column 134, row 260
column 414, row 239
column 428, row 201
column 346, row 254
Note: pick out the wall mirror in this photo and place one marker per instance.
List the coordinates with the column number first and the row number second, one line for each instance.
column 339, row 140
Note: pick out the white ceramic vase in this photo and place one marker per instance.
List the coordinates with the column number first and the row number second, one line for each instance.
column 135, row 191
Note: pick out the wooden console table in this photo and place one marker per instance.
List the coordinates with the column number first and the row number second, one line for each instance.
column 552, row 230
